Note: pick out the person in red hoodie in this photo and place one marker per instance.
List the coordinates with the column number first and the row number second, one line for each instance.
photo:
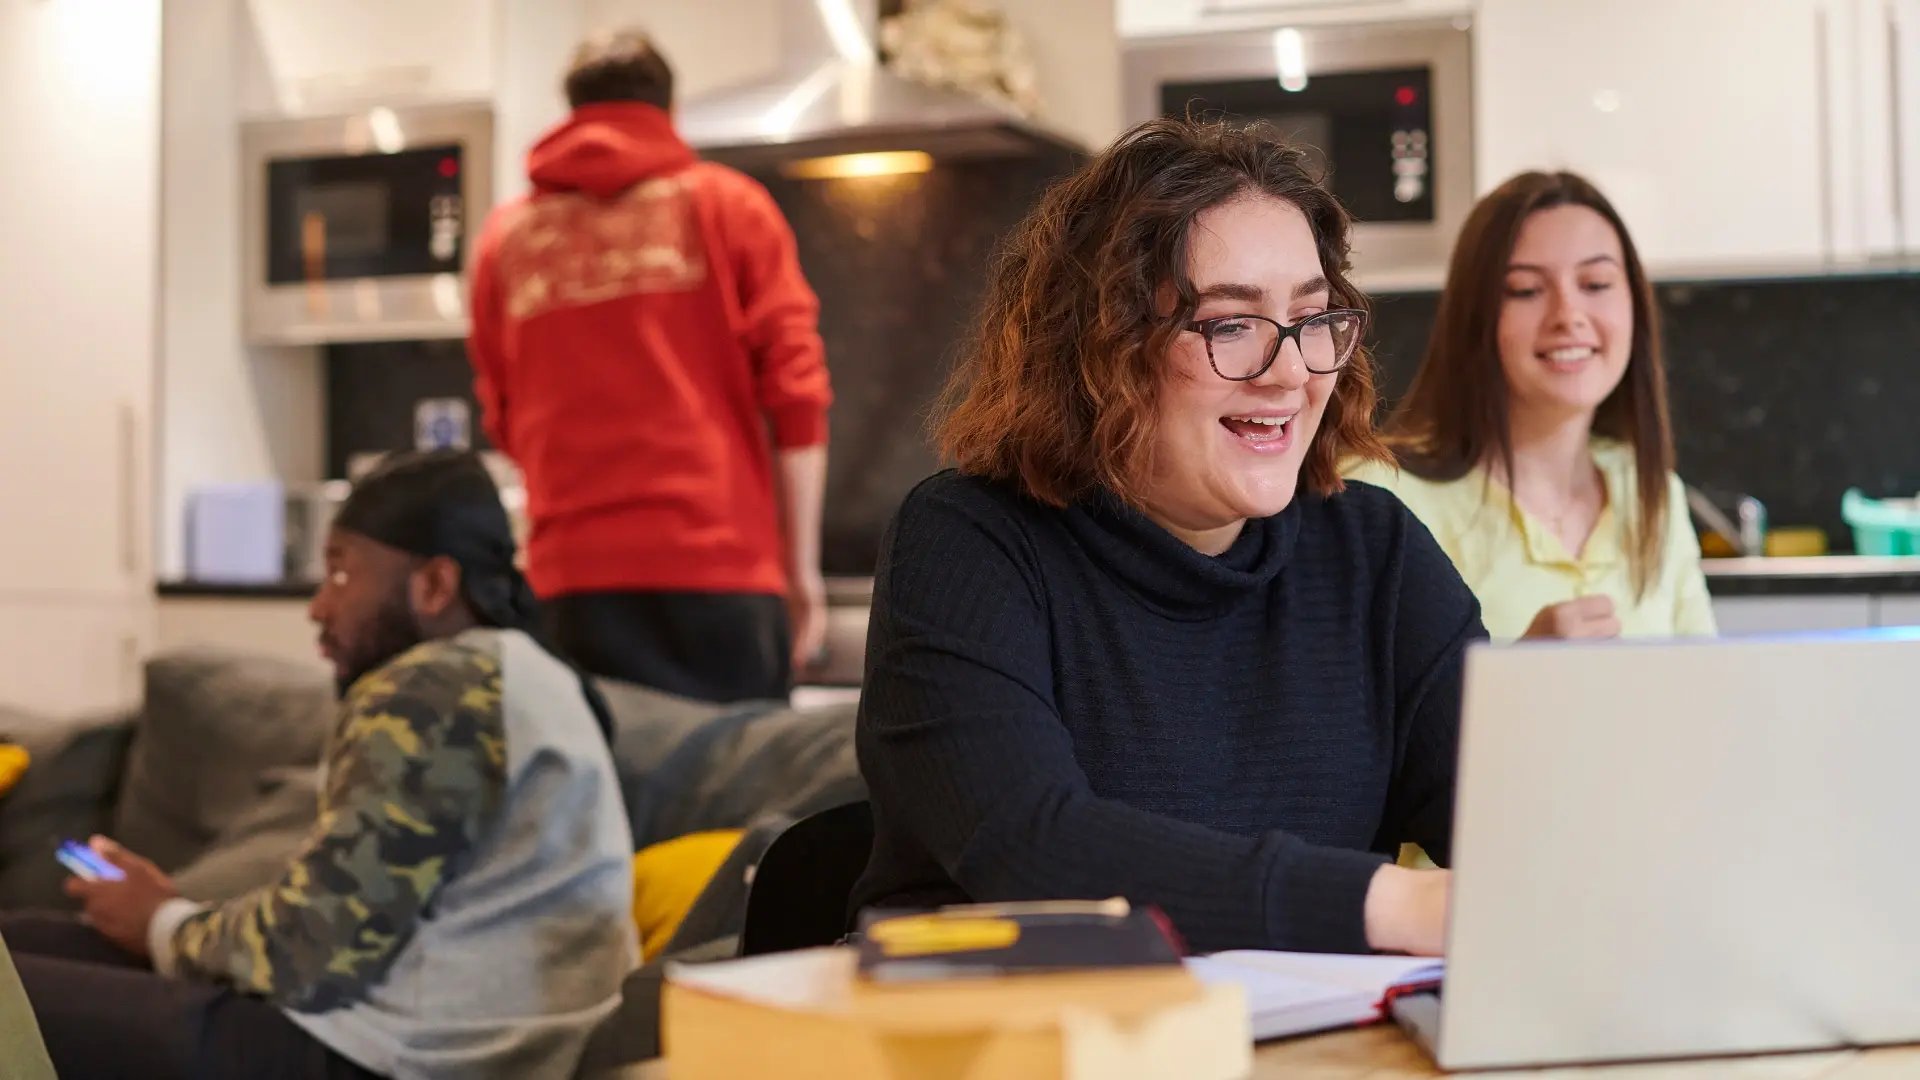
column 646, row 350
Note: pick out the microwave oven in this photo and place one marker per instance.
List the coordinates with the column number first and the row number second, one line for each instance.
column 358, row 227
column 1384, row 111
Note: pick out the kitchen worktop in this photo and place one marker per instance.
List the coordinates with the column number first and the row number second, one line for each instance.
column 1816, row 575
column 262, row 590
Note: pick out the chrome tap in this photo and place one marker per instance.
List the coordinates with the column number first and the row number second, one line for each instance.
column 1745, row 530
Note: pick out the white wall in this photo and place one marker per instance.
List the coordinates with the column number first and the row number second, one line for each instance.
column 534, row 44
column 710, row 43
column 227, row 412
column 716, row 43
column 325, row 55
column 1075, row 46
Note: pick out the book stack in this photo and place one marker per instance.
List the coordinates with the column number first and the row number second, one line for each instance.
column 1069, row 991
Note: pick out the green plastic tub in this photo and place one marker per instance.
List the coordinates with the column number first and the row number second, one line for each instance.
column 1882, row 526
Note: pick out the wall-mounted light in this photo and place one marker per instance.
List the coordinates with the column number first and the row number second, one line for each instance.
column 1290, row 59
column 842, row 166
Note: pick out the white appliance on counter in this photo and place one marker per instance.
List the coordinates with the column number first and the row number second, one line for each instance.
column 236, row 534
column 1384, row 108
column 358, row 227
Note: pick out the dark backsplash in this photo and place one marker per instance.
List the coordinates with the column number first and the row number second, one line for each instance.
column 372, row 388
column 1789, row 390
column 899, row 263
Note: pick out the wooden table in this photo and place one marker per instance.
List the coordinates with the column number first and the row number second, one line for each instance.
column 1381, row 1052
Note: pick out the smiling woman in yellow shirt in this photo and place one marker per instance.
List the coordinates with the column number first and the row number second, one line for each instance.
column 1519, row 568
column 1534, row 442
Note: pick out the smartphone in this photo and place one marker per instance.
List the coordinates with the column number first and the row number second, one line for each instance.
column 86, row 863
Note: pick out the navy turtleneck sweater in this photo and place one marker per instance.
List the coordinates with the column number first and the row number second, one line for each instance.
column 1075, row 704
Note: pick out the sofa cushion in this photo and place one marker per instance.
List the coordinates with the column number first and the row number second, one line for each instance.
column 669, row 876
column 256, row 846
column 66, row 792
column 215, row 724
column 691, row 766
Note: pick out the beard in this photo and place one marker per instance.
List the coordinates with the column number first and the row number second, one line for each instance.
column 392, row 631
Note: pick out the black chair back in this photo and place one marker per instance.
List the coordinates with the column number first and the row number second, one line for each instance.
column 804, row 881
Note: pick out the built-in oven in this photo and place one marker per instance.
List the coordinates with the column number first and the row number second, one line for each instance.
column 1384, row 109
column 358, row 227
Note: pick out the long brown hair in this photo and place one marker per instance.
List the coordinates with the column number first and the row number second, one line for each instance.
column 1454, row 417
column 1058, row 387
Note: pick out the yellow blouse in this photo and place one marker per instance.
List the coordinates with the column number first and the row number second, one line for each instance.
column 1516, row 566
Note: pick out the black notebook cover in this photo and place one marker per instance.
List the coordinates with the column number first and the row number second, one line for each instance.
column 981, row 940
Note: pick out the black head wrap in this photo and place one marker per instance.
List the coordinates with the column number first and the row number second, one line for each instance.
column 445, row 503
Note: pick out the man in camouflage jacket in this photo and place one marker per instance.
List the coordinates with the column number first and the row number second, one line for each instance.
column 460, row 907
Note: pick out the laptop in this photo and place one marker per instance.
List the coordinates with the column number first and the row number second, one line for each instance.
column 1676, row 849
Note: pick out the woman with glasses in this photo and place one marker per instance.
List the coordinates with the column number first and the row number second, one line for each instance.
column 1534, row 441
column 1140, row 642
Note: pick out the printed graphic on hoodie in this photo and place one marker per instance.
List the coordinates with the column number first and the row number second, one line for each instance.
column 570, row 250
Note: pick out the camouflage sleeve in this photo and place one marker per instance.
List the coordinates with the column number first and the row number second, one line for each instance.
column 415, row 772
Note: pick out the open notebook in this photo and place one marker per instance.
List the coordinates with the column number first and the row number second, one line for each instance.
column 1295, row 993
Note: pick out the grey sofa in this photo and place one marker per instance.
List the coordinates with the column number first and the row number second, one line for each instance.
column 215, row 778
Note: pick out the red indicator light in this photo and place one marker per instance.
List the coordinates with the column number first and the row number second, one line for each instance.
column 1405, row 95
column 450, row 167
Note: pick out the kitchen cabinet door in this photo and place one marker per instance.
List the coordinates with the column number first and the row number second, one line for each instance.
column 1162, row 18
column 1903, row 47
column 78, row 287
column 62, row 657
column 1901, row 609
column 1702, row 120
column 253, row 625
column 1866, row 114
column 1738, row 616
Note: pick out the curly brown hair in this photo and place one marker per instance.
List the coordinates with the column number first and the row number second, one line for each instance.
column 1058, row 388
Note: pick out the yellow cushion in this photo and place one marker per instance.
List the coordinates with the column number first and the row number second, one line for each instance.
column 669, row 876
column 13, row 762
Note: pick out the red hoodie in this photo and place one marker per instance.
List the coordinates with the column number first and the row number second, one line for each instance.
column 640, row 325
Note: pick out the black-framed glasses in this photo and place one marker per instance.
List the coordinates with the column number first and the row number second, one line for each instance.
column 1243, row 347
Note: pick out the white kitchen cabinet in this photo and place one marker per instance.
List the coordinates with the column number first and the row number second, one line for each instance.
column 1872, row 54
column 257, row 625
column 1879, row 91
column 1163, row 18
column 79, row 257
column 1741, row 615
column 1702, row 120
column 1896, row 610
column 1903, row 26
column 78, row 274
column 62, row 656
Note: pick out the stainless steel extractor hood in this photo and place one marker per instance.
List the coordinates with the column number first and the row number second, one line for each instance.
column 833, row 96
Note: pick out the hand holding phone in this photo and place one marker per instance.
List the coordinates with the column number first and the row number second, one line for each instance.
column 85, row 863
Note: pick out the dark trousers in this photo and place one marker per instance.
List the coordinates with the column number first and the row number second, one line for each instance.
column 105, row 1014
column 710, row 646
